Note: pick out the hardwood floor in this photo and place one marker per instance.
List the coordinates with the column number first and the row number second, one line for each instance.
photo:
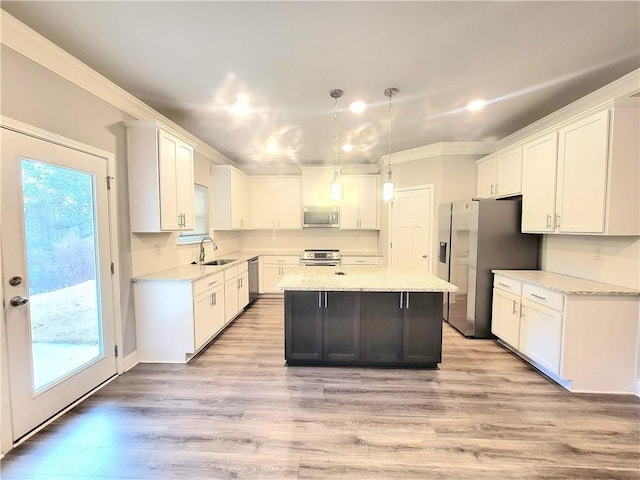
column 236, row 411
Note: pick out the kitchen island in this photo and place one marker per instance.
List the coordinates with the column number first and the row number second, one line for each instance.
column 364, row 316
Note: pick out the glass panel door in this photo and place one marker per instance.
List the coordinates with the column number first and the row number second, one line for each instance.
column 57, row 285
column 59, row 224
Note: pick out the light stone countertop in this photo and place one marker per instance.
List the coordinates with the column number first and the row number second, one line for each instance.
column 364, row 278
column 191, row 273
column 566, row 284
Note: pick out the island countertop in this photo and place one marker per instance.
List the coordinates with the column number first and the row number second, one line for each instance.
column 365, row 279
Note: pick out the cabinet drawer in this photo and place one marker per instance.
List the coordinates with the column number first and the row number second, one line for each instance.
column 242, row 267
column 204, row 284
column 355, row 260
column 230, row 273
column 280, row 259
column 507, row 284
column 543, row 296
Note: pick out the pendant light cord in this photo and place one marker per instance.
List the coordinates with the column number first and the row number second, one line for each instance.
column 389, row 92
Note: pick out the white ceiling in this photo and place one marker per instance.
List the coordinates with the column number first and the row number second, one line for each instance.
column 190, row 60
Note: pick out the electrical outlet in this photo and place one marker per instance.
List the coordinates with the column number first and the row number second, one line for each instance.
column 158, row 248
column 598, row 254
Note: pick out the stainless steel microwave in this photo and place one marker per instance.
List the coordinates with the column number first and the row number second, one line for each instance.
column 321, row 217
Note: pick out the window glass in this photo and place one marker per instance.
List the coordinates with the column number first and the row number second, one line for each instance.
column 201, row 210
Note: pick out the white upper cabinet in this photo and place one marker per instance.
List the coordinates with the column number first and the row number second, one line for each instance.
column 160, row 163
column 588, row 183
column 500, row 174
column 539, row 162
column 360, row 206
column 231, row 198
column 316, row 186
column 276, row 203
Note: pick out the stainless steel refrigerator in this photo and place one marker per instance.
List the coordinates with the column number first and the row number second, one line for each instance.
column 476, row 236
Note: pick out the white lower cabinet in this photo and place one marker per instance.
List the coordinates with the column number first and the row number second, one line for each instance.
column 541, row 335
column 236, row 290
column 506, row 317
column 273, row 268
column 208, row 314
column 175, row 319
column 585, row 342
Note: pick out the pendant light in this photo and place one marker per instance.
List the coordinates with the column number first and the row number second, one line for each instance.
column 387, row 188
column 336, row 185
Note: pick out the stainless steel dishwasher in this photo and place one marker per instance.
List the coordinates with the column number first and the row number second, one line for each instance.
column 254, row 283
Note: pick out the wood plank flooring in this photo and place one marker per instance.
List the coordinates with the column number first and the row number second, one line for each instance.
column 236, row 411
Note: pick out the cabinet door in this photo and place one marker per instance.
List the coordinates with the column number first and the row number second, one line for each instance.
column 582, row 175
column 382, row 327
column 208, row 315
column 184, row 185
column 230, row 299
column 341, row 326
column 541, row 335
column 263, row 208
column 240, row 200
column 349, row 210
column 509, row 173
column 486, row 180
column 271, row 276
column 167, row 166
column 303, row 325
column 505, row 317
column 289, row 203
column 369, row 202
column 422, row 328
column 539, row 159
column 243, row 290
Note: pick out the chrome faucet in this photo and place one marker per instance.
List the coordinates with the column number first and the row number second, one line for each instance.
column 213, row 242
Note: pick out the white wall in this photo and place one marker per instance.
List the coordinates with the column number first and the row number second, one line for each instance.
column 453, row 178
column 613, row 260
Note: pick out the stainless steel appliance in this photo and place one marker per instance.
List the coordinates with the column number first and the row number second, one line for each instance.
column 476, row 236
column 321, row 217
column 325, row 257
column 254, row 279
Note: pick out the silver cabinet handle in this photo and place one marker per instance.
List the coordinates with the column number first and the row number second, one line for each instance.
column 514, row 307
column 17, row 301
column 215, row 299
column 407, row 303
column 548, row 221
column 492, row 189
column 522, row 311
column 504, row 285
column 540, row 297
column 400, row 299
column 557, row 220
column 213, row 283
column 325, row 300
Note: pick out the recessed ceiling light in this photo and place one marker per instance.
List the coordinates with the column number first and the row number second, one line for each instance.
column 241, row 107
column 347, row 147
column 272, row 147
column 358, row 106
column 476, row 105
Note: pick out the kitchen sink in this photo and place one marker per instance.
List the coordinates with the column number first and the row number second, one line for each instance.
column 221, row 261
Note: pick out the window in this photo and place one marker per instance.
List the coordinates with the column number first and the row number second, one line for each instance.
column 201, row 210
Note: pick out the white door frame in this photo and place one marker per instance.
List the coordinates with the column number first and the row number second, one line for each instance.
column 6, row 430
column 429, row 188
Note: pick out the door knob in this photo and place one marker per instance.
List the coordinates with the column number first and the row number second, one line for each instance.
column 17, row 301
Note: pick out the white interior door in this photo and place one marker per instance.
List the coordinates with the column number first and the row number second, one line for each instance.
column 57, row 279
column 411, row 231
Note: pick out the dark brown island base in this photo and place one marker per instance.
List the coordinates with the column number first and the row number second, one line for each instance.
column 363, row 316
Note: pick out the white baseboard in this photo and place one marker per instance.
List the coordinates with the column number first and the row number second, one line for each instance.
column 130, row 361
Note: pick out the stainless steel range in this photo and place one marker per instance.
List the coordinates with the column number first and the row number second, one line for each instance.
column 317, row 257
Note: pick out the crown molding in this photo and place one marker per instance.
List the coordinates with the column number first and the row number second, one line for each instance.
column 473, row 149
column 30, row 44
column 626, row 86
